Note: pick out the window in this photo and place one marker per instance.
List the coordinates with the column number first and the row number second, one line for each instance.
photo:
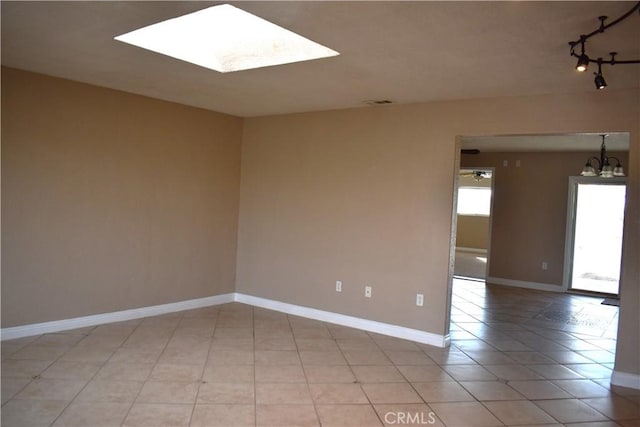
column 474, row 201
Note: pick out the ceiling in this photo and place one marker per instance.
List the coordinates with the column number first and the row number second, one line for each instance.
column 406, row 52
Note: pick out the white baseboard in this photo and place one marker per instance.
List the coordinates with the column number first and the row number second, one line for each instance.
column 116, row 316
column 625, row 379
column 353, row 322
column 471, row 250
column 311, row 313
column 523, row 284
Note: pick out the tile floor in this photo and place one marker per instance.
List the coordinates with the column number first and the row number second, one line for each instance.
column 517, row 358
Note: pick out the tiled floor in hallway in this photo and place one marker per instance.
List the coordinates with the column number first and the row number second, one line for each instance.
column 517, row 358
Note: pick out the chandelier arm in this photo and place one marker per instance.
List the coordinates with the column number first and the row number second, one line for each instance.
column 602, row 28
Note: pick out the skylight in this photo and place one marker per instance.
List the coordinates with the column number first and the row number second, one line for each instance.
column 225, row 38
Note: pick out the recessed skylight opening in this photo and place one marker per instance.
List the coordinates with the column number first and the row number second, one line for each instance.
column 225, row 38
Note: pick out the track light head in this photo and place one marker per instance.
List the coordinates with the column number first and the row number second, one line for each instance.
column 583, row 63
column 599, row 81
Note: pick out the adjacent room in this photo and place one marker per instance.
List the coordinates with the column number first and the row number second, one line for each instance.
column 320, row 213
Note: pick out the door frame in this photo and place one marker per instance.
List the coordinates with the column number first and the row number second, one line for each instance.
column 570, row 230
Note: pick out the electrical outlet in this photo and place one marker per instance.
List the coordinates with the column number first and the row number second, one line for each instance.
column 517, row 163
column 545, row 265
column 338, row 285
column 367, row 291
column 419, row 300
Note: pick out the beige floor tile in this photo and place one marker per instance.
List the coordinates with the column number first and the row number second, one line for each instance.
column 233, row 332
column 51, row 389
column 397, row 344
column 31, row 413
column 110, row 391
column 227, row 393
column 88, row 354
column 124, row 371
column 464, row 414
column 286, row 415
column 280, row 374
column 280, row 344
column 23, row 368
column 229, row 374
column 519, row 413
column 232, row 344
column 469, row 373
column 185, row 354
column 391, row 393
column 363, row 357
column 223, row 416
column 275, row 357
column 176, row 372
column 424, row 373
column 71, row 370
column 582, row 388
column 376, row 374
column 11, row 386
column 190, row 320
column 491, row 390
column 40, row 352
column 529, row 357
column 301, row 333
column 230, row 357
column 316, row 344
column 491, row 357
column 279, row 330
column 342, row 332
column 513, row 372
column 58, row 340
column 409, row 357
column 168, row 392
column 329, row 374
column 407, row 415
column 614, row 407
column 322, row 358
column 114, row 329
column 555, row 372
column 94, row 414
column 158, row 415
column 442, row 392
column 357, row 344
column 136, row 355
column 348, row 415
column 570, row 411
column 282, row 393
column 534, row 390
column 339, row 393
column 105, row 342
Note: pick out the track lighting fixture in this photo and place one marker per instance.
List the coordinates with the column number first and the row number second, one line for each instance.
column 599, row 81
column 583, row 58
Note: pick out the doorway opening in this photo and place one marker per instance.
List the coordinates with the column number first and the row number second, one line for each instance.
column 475, row 193
column 595, row 223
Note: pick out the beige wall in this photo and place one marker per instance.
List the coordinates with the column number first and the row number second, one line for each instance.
column 365, row 196
column 530, row 211
column 112, row 201
column 472, row 231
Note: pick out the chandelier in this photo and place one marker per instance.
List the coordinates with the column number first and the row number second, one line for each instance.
column 604, row 169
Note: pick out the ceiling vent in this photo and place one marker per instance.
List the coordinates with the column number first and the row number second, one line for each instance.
column 378, row 102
